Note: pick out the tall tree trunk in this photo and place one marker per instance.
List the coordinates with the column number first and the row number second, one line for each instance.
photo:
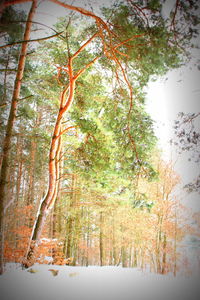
column 49, row 200
column 5, row 77
column 124, row 256
column 77, row 218
column 45, row 207
column 53, row 229
column 69, row 237
column 114, row 258
column 30, row 196
column 175, row 243
column 88, row 240
column 164, row 254
column 71, row 219
column 10, row 124
column 158, row 244
column 56, row 214
column 19, row 159
column 135, row 263
column 54, row 168
column 130, row 257
column 101, row 244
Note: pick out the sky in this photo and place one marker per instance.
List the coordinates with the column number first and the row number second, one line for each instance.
column 165, row 99
column 178, row 91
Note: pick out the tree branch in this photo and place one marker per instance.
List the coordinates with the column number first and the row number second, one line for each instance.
column 3, row 105
column 65, row 130
column 87, row 66
column 25, row 97
column 29, row 41
column 84, row 45
column 127, row 40
column 33, row 22
column 8, row 70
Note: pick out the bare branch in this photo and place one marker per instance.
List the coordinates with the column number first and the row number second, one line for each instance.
column 33, row 22
column 8, row 70
column 140, row 10
column 25, row 98
column 174, row 15
column 30, row 41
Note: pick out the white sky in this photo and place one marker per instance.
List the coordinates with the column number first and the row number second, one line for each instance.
column 165, row 99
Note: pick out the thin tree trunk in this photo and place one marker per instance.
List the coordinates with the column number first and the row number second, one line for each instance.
column 101, row 244
column 124, row 257
column 5, row 78
column 71, row 220
column 164, row 254
column 69, row 238
column 56, row 215
column 87, row 252
column 114, row 260
column 159, row 238
column 54, row 236
column 77, row 218
column 130, row 257
column 10, row 124
column 30, row 197
column 135, row 263
column 175, row 243
column 19, row 167
column 88, row 240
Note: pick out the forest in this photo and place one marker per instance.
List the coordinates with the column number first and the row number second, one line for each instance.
column 82, row 180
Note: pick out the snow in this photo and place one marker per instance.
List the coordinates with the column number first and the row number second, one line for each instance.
column 94, row 283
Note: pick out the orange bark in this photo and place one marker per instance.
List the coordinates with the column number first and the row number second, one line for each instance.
column 54, row 154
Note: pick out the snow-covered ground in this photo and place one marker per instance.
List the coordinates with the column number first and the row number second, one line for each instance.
column 94, row 283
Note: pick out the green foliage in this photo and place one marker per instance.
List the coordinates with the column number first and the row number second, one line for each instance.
column 26, row 112
column 114, row 137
